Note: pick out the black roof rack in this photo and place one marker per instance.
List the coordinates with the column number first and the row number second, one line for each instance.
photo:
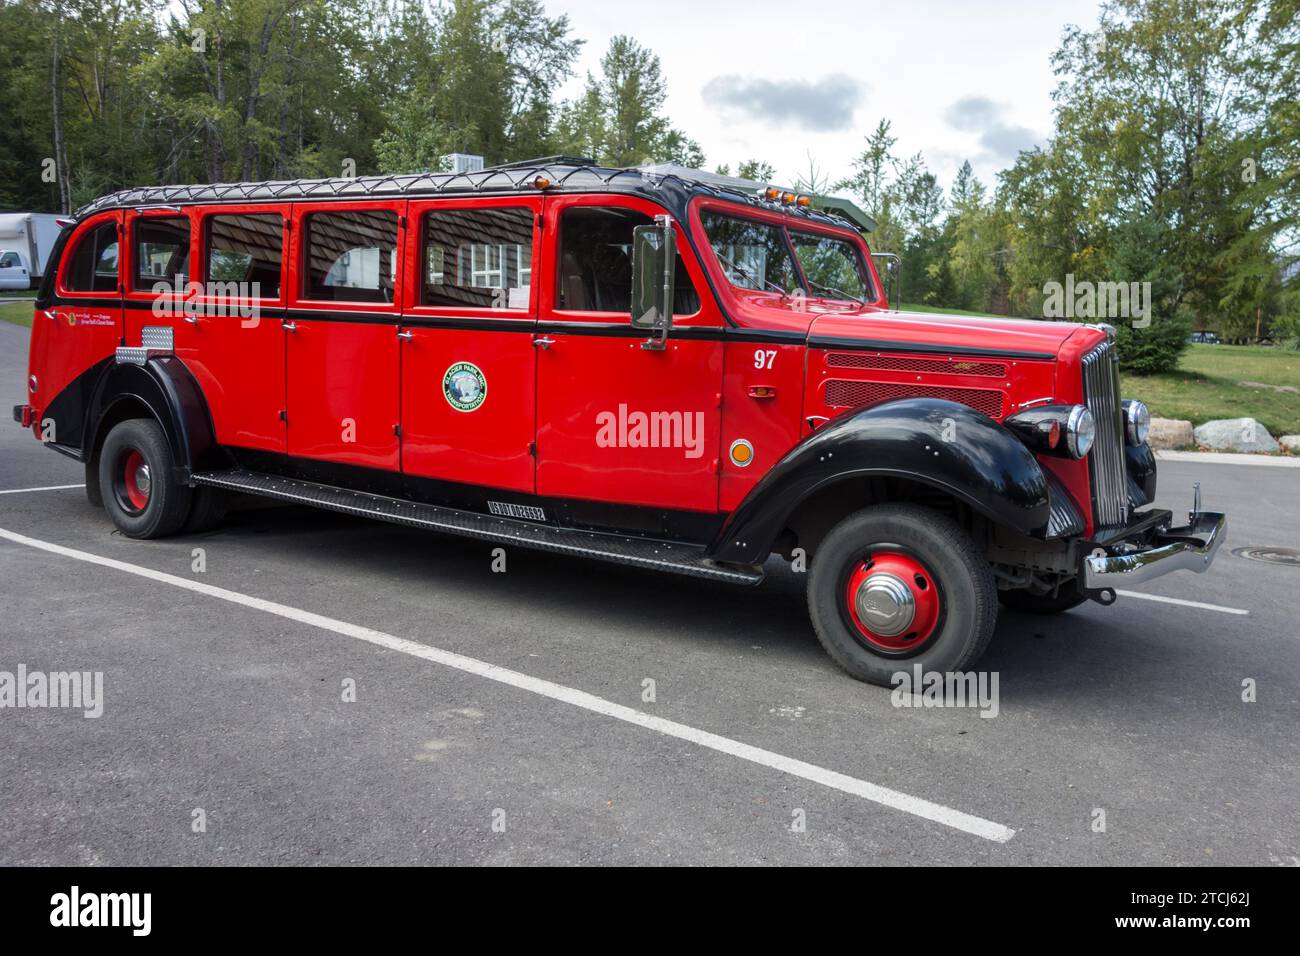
column 671, row 186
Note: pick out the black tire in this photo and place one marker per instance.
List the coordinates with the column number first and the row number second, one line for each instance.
column 963, row 582
column 93, row 494
column 167, row 504
column 1067, row 596
column 207, row 511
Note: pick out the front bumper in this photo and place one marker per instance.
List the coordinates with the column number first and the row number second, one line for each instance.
column 1188, row 548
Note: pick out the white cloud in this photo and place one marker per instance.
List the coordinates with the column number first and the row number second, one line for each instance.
column 911, row 62
column 822, row 105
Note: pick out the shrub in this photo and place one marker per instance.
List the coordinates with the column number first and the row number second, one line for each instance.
column 1155, row 348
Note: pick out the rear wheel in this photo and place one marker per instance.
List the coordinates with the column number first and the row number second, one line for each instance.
column 207, row 511
column 894, row 586
column 1068, row 595
column 136, row 481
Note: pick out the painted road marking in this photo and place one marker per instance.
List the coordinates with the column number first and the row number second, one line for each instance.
column 23, row 491
column 1196, row 604
column 884, row 796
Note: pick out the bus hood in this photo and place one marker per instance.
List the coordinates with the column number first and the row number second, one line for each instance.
column 931, row 332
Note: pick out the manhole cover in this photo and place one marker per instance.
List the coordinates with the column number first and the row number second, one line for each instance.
column 1290, row 556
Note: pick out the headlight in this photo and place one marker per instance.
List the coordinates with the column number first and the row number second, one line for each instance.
column 1080, row 430
column 1062, row 430
column 1137, row 421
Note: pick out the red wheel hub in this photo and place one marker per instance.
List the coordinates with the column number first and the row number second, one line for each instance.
column 893, row 601
column 136, row 480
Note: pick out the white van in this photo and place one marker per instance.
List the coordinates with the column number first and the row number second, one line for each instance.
column 26, row 239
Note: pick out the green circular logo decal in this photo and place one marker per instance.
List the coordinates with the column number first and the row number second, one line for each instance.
column 464, row 387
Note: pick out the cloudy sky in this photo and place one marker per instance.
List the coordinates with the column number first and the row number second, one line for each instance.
column 958, row 79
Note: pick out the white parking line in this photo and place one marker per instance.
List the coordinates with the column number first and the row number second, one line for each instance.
column 916, row 806
column 1196, row 604
column 23, row 491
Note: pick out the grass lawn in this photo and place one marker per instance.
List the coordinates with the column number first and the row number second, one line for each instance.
column 1206, row 387
column 19, row 313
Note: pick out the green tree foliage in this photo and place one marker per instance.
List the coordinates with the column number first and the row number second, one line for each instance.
column 126, row 92
column 1173, row 161
column 618, row 119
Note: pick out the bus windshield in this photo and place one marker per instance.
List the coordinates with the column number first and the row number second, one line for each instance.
column 761, row 256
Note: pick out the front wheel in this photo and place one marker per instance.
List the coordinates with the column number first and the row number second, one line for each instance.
column 136, row 470
column 894, row 586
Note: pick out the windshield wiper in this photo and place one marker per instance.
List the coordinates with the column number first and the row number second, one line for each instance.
column 837, row 292
column 749, row 275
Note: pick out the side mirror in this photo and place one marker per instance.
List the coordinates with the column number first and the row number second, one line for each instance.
column 894, row 271
column 654, row 271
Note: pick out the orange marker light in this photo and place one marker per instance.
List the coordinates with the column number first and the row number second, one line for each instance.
column 541, row 182
column 804, row 201
column 771, row 194
column 787, row 198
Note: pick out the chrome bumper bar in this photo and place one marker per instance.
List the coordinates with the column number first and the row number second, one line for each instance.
column 1189, row 548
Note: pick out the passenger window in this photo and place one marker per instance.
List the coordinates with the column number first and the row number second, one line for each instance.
column 351, row 256
column 9, row 260
column 478, row 257
column 93, row 265
column 162, row 252
column 595, row 267
column 248, row 250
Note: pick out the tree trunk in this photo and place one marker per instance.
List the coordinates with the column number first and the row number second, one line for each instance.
column 61, row 171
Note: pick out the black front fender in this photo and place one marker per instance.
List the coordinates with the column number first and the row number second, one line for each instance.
column 945, row 445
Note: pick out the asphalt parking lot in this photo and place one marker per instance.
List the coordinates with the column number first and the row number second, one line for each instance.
column 231, row 706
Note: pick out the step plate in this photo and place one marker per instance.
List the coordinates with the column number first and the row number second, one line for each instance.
column 648, row 553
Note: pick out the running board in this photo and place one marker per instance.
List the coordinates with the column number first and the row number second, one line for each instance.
column 672, row 556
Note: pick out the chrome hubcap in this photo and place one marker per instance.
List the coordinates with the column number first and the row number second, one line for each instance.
column 885, row 604
column 142, row 479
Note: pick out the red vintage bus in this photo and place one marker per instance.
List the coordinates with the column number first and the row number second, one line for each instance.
column 659, row 367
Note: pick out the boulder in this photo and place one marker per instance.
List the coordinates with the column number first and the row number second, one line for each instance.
column 1290, row 443
column 1235, row 434
column 1170, row 433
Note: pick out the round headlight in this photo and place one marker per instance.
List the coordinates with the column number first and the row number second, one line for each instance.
column 1137, row 421
column 1080, row 430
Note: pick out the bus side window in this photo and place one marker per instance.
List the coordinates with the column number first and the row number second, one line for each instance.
column 93, row 265
column 246, row 249
column 162, row 252
column 351, row 256
column 478, row 257
column 595, row 262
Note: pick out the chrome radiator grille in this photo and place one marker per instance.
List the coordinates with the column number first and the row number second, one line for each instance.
column 1106, row 460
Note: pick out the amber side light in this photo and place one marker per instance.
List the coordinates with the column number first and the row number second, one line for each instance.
column 541, row 182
